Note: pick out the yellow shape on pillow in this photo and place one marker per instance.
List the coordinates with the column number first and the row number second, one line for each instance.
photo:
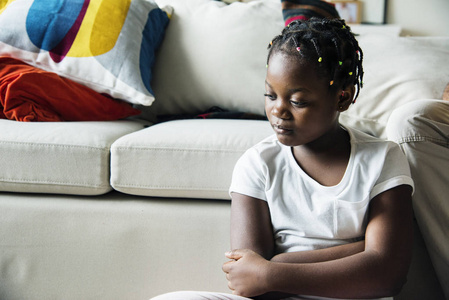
column 4, row 4
column 100, row 29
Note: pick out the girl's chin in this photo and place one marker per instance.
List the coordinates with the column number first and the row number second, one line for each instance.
column 286, row 140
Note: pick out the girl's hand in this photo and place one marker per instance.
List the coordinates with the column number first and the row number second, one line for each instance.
column 246, row 273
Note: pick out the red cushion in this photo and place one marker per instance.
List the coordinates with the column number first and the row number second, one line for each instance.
column 33, row 95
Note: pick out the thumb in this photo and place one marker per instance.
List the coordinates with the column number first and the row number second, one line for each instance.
column 235, row 254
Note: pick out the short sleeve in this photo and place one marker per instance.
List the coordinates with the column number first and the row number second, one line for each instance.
column 249, row 176
column 395, row 171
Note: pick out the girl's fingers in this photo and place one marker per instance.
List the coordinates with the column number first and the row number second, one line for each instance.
column 235, row 254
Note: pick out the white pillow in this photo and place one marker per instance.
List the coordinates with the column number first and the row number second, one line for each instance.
column 397, row 70
column 214, row 54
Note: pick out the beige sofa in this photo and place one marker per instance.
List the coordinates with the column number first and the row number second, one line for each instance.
column 128, row 210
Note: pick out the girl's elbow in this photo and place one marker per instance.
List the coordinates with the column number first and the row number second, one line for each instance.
column 392, row 285
column 392, row 274
column 390, row 278
column 395, row 288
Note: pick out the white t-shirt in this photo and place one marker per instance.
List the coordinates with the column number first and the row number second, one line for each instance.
column 306, row 215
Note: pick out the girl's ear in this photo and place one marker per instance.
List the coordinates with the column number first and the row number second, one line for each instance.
column 345, row 98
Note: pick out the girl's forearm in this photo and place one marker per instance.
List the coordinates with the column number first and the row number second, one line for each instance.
column 321, row 255
column 313, row 256
column 362, row 275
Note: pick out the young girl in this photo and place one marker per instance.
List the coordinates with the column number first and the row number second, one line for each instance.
column 319, row 210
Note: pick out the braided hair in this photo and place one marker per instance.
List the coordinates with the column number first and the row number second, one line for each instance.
column 327, row 42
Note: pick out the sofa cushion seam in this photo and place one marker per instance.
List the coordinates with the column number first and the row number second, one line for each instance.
column 168, row 187
column 177, row 149
column 24, row 181
column 56, row 145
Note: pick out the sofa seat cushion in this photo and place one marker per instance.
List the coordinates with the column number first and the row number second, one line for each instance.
column 185, row 158
column 58, row 157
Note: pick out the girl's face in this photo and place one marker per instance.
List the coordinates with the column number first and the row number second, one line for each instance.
column 299, row 103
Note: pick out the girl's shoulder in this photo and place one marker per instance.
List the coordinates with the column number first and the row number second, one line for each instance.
column 374, row 152
column 266, row 152
column 268, row 142
column 270, row 146
column 361, row 138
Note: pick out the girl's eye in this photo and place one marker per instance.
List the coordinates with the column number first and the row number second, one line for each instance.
column 298, row 103
column 271, row 97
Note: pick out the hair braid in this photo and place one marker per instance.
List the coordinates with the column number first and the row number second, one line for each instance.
column 327, row 42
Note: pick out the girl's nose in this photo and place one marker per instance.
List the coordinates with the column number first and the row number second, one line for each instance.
column 280, row 109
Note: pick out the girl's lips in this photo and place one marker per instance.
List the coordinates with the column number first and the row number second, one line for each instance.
column 279, row 129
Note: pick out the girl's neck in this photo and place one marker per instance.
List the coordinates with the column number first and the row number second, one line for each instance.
column 326, row 159
column 335, row 139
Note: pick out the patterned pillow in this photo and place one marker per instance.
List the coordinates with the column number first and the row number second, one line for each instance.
column 107, row 45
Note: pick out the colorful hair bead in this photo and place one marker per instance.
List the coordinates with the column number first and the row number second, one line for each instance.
column 350, row 73
column 340, row 63
column 320, row 59
column 331, row 83
column 298, row 49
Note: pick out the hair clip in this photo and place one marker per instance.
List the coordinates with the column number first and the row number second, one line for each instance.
column 331, row 83
column 320, row 59
column 298, row 49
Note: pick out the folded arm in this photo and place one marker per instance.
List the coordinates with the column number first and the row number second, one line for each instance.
column 375, row 268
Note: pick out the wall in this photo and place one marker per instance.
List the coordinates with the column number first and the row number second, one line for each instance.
column 420, row 17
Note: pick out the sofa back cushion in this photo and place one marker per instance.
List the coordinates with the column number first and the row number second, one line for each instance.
column 214, row 54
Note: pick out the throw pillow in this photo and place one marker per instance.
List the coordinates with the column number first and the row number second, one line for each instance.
column 107, row 45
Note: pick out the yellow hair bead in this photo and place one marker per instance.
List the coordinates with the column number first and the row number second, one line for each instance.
column 320, row 59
